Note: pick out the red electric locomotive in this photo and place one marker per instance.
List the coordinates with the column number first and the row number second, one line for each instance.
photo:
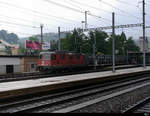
column 60, row 60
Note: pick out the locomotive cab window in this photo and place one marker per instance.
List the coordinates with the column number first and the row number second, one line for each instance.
column 78, row 57
column 70, row 57
column 53, row 57
column 46, row 56
column 63, row 57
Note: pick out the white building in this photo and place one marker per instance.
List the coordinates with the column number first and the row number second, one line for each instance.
column 18, row 64
column 3, row 49
column 10, row 64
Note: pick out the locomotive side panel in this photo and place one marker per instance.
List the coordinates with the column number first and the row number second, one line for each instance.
column 60, row 60
column 53, row 60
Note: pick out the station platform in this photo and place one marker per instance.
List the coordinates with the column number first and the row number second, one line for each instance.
column 19, row 88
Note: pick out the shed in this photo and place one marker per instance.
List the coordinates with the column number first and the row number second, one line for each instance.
column 18, row 63
column 10, row 64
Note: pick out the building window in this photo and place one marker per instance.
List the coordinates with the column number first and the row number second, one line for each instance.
column 32, row 65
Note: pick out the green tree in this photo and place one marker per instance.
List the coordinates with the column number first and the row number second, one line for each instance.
column 79, row 42
column 131, row 46
column 122, row 44
column 54, row 45
column 73, row 41
column 34, row 38
column 101, row 41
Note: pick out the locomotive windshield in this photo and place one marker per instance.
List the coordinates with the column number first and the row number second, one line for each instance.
column 45, row 56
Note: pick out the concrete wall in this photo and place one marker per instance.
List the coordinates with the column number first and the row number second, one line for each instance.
column 15, row 61
column 17, row 68
column 2, row 69
column 10, row 61
column 20, row 64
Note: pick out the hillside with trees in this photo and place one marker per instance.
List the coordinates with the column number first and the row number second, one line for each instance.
column 9, row 37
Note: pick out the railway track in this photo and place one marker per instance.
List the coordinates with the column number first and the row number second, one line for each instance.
column 54, row 102
column 140, row 107
column 38, row 75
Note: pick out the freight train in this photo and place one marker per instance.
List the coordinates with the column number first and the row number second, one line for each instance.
column 60, row 60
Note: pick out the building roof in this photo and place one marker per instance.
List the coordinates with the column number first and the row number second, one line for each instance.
column 19, row 56
column 10, row 45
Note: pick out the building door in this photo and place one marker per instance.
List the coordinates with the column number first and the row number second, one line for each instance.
column 9, row 69
column 32, row 68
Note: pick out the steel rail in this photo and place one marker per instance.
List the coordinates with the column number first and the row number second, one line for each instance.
column 137, row 106
column 50, row 75
column 114, row 85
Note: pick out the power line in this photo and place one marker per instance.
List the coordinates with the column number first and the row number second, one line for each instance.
column 39, row 16
column 112, row 6
column 18, row 24
column 129, row 4
column 15, row 26
column 119, row 9
column 73, row 9
column 103, row 10
column 41, row 13
column 124, row 2
column 22, row 19
column 99, row 9
column 73, row 4
column 104, row 19
column 64, row 6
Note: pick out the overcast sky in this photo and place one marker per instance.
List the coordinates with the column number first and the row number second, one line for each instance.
column 23, row 17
